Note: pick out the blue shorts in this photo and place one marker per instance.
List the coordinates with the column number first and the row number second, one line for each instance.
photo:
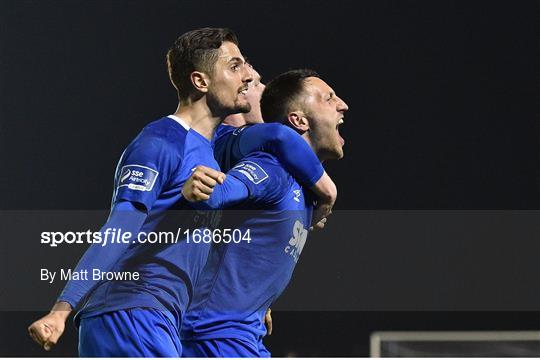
column 224, row 347
column 139, row 332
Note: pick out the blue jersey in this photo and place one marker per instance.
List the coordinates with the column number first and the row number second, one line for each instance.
column 151, row 173
column 241, row 280
column 231, row 144
column 226, row 146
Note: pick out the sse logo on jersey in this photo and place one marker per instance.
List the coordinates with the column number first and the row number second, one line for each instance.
column 297, row 241
column 253, row 171
column 137, row 177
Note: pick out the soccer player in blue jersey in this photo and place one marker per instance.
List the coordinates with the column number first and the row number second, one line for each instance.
column 142, row 316
column 243, row 133
column 234, row 140
column 241, row 280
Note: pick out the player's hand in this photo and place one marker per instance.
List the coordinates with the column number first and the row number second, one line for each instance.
column 326, row 192
column 268, row 321
column 201, row 183
column 320, row 225
column 47, row 330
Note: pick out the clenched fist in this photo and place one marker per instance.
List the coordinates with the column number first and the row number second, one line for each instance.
column 47, row 330
column 201, row 183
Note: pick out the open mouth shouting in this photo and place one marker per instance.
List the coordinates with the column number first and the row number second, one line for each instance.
column 342, row 141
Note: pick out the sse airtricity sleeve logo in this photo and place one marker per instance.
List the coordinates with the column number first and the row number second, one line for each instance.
column 147, row 164
column 253, row 171
column 137, row 177
column 264, row 177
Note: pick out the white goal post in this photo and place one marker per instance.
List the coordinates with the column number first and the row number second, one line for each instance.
column 416, row 338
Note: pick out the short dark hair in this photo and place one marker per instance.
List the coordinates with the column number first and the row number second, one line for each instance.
column 196, row 50
column 283, row 92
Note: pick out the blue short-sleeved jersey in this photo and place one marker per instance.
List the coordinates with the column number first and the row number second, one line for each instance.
column 240, row 281
column 151, row 172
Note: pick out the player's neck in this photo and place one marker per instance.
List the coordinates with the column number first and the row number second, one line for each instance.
column 241, row 119
column 199, row 117
column 235, row 120
column 311, row 144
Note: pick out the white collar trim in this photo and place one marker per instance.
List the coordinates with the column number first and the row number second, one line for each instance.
column 180, row 121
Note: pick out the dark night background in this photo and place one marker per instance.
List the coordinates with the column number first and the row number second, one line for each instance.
column 444, row 114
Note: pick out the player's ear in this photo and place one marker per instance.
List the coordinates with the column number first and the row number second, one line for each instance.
column 200, row 81
column 298, row 120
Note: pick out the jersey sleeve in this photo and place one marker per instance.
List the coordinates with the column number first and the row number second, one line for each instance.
column 263, row 177
column 124, row 216
column 144, row 170
column 283, row 142
column 230, row 193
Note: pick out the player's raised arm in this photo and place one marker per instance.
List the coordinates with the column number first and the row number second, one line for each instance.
column 125, row 216
column 287, row 145
column 295, row 154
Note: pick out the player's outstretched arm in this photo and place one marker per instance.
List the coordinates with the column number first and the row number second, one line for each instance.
column 201, row 189
column 124, row 215
column 287, row 145
column 297, row 157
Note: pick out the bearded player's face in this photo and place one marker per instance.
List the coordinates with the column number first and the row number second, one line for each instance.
column 325, row 111
column 229, row 82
